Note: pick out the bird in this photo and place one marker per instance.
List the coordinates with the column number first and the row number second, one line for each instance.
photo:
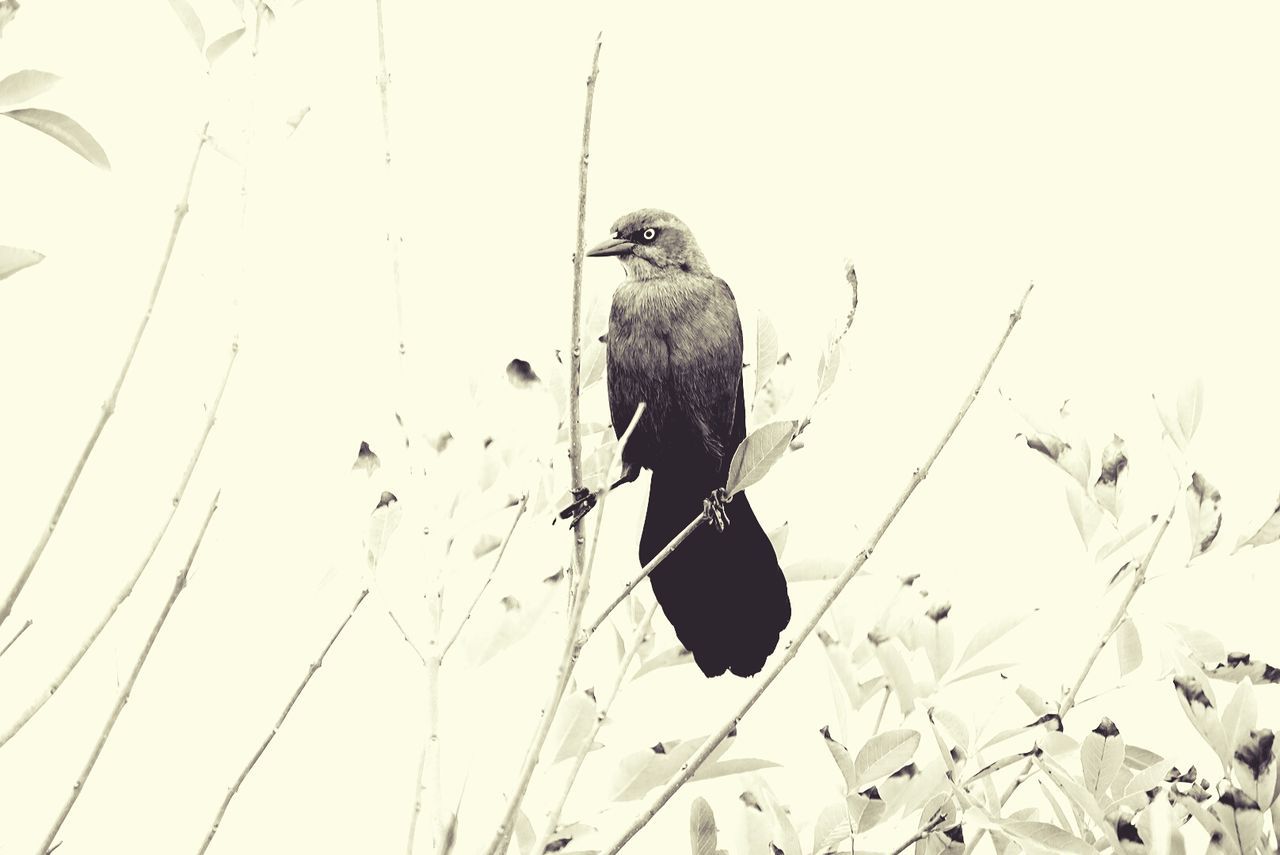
column 675, row 343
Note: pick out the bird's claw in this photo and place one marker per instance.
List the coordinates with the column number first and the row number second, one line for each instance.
column 583, row 501
column 713, row 507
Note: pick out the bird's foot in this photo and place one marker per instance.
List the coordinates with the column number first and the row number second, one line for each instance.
column 583, row 501
column 713, row 507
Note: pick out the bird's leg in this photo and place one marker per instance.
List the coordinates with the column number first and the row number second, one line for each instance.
column 584, row 500
column 713, row 508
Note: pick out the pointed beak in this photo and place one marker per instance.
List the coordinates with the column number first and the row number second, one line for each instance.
column 612, row 246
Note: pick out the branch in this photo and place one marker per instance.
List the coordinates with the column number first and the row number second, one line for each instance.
column 127, row 589
column 25, row 626
column 502, row 550
column 920, row 835
column 109, row 406
column 553, row 818
column 568, row 659
column 271, row 734
column 640, row 577
column 793, row 646
column 179, row 583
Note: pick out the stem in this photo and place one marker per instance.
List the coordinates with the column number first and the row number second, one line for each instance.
column 25, row 626
column 502, row 550
column 127, row 589
column 179, row 583
column 569, row 658
column 793, row 646
column 553, row 818
column 109, row 406
column 919, row 835
column 271, row 734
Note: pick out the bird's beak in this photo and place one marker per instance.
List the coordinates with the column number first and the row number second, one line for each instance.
column 612, row 246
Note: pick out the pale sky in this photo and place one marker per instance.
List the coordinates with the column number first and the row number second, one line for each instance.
column 1121, row 157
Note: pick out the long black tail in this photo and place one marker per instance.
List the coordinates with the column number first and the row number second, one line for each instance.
column 722, row 591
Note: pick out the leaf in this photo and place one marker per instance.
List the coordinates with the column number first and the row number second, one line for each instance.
column 815, row 569
column 884, row 753
column 65, row 130
column 1078, row 796
column 573, row 726
column 1074, row 461
column 757, row 453
column 832, row 830
column 778, row 538
column 898, row 673
column 1240, row 715
column 1128, row 646
column 1108, row 549
column 1101, row 756
column 766, row 350
column 1268, row 532
column 1190, row 406
column 25, row 85
column 190, row 20
column 938, row 641
column 1198, row 707
column 222, row 44
column 13, row 259
column 677, row 655
column 366, row 460
column 382, row 524
column 769, row 828
column 1240, row 666
column 1204, row 646
column 1204, row 513
column 1114, row 464
column 844, row 761
column 828, row 370
column 991, row 633
column 702, row 828
column 1045, row 837
column 1084, row 513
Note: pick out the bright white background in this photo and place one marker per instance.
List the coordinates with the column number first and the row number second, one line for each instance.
column 1123, row 158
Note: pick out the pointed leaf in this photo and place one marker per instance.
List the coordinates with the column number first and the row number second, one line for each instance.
column 1044, row 837
column 222, row 44
column 1240, row 715
column 778, row 539
column 844, row 761
column 1128, row 647
column 382, row 524
column 25, row 85
column 1204, row 513
column 1101, row 756
column 883, row 754
column 814, row 569
column 757, row 453
column 1190, row 406
column 13, row 259
column 1114, row 464
column 1108, row 549
column 1269, row 532
column 828, row 370
column 190, row 21
column 65, row 130
column 702, row 828
column 991, row 633
column 573, row 725
column 766, row 350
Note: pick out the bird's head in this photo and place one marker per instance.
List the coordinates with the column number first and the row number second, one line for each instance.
column 652, row 243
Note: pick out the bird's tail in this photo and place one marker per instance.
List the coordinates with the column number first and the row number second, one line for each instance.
column 722, row 591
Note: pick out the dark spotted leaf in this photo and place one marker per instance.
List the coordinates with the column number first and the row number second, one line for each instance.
column 757, row 453
column 366, row 460
column 25, row 85
column 13, row 259
column 1204, row 513
column 843, row 759
column 1101, row 756
column 1240, row 666
column 65, row 130
column 382, row 524
column 1110, row 480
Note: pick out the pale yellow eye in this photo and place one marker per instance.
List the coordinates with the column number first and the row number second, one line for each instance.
column 649, row 234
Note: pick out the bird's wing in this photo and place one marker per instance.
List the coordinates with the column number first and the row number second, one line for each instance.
column 706, row 370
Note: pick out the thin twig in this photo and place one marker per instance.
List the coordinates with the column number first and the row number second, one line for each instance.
column 633, row 646
column 26, row 624
column 640, row 577
column 127, row 589
column 502, row 550
column 569, row 658
column 109, row 406
column 179, row 583
column 407, row 639
column 275, row 728
column 1069, row 700
column 793, row 646
column 920, row 835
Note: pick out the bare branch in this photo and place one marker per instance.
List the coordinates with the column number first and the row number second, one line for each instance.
column 109, row 406
column 568, row 659
column 793, row 646
column 271, row 734
column 127, row 589
column 25, row 626
column 502, row 550
column 179, row 583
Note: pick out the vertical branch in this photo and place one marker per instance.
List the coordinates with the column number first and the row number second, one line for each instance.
column 569, row 658
column 127, row 589
column 109, row 406
column 271, row 734
column 179, row 583
column 792, row 647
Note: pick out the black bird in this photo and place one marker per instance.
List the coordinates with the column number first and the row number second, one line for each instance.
column 675, row 343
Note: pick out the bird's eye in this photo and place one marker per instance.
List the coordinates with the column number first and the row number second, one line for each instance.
column 650, row 234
